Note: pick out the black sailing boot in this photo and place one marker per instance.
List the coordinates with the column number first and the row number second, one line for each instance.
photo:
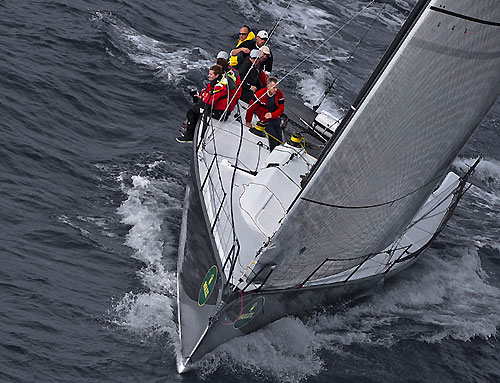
column 185, row 136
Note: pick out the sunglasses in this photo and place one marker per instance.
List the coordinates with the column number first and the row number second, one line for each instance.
column 243, row 34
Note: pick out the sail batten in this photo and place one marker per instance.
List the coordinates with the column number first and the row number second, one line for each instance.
column 406, row 131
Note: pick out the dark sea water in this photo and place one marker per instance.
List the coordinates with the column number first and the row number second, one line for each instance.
column 92, row 182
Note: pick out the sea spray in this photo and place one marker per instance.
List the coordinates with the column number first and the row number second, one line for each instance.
column 147, row 208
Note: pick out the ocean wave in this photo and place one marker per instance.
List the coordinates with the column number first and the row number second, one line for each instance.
column 446, row 295
column 170, row 63
column 487, row 171
column 246, row 8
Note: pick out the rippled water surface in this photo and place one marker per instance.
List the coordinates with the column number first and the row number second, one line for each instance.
column 92, row 184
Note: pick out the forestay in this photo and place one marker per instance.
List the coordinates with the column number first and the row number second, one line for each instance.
column 421, row 107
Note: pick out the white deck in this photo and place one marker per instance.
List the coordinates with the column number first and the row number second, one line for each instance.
column 260, row 200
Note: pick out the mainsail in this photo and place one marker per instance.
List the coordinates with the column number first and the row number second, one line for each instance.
column 431, row 91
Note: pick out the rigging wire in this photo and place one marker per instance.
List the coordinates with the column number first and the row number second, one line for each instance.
column 328, row 39
column 330, row 86
column 449, row 191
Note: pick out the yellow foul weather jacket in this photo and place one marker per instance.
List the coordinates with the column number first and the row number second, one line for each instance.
column 233, row 61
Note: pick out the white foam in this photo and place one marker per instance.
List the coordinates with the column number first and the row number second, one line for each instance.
column 488, row 170
column 313, row 87
column 66, row 220
column 170, row 63
column 145, row 216
column 147, row 206
column 82, row 223
column 286, row 349
column 302, row 21
column 148, row 314
column 487, row 193
column 442, row 297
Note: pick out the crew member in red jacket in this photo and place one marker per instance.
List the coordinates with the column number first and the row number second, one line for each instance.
column 213, row 97
column 268, row 104
column 233, row 80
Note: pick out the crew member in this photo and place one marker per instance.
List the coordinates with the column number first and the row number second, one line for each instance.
column 252, row 77
column 268, row 104
column 212, row 100
column 246, row 42
column 266, row 62
column 233, row 80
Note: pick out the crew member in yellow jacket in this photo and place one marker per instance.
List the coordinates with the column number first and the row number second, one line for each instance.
column 246, row 42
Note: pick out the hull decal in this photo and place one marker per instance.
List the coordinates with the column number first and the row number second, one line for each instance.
column 249, row 312
column 207, row 286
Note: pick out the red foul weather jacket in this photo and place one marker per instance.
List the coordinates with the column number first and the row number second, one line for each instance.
column 259, row 106
column 215, row 94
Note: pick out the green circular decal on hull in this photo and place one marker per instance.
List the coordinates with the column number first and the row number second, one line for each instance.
column 207, row 286
column 249, row 312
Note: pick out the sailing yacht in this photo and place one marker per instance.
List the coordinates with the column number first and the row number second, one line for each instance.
column 270, row 234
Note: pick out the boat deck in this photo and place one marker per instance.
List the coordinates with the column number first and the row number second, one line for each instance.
column 264, row 186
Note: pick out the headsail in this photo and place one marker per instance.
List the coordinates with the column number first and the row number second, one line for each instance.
column 440, row 78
